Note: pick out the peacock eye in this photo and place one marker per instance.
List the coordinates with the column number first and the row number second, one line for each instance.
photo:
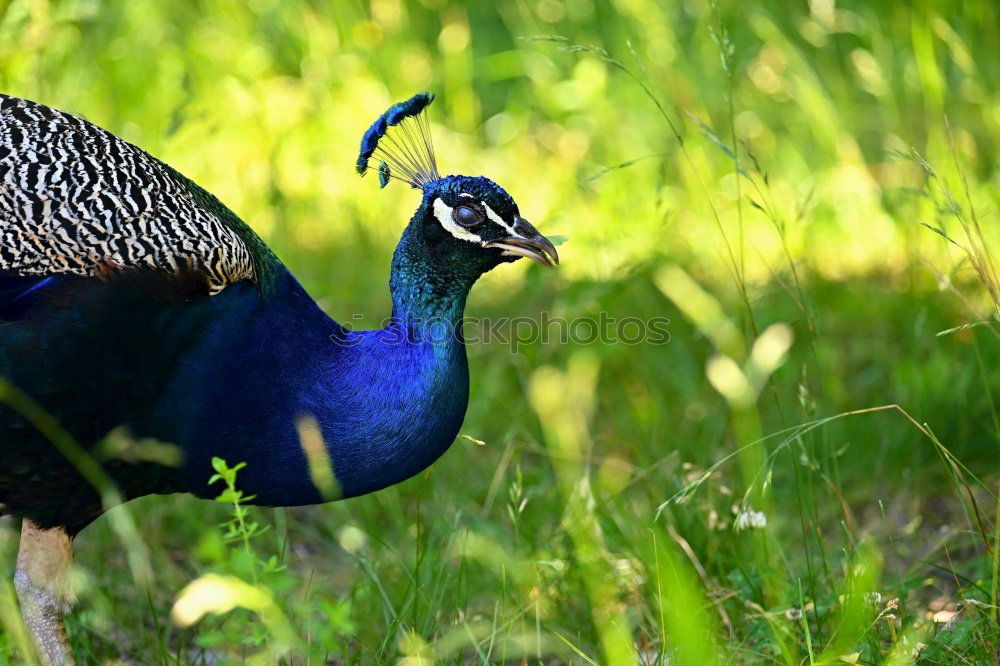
column 467, row 217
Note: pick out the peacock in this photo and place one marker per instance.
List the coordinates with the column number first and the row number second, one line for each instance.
column 133, row 301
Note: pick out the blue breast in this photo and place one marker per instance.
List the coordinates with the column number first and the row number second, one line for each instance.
column 388, row 402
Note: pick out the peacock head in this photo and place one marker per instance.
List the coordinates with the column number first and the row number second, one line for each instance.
column 463, row 221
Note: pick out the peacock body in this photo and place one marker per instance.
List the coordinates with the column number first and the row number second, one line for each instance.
column 133, row 301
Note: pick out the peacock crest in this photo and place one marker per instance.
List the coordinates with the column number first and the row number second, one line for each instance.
column 400, row 142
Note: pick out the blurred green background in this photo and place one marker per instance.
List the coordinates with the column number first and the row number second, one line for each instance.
column 731, row 166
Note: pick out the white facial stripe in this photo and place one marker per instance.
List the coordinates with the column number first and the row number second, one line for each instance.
column 490, row 213
column 442, row 212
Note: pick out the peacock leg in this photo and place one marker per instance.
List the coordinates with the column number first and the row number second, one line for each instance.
column 43, row 588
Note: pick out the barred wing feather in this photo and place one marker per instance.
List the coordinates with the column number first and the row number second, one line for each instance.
column 75, row 199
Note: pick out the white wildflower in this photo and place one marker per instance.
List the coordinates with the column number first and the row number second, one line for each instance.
column 628, row 574
column 793, row 614
column 944, row 616
column 750, row 519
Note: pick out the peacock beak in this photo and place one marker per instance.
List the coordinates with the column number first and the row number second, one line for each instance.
column 527, row 243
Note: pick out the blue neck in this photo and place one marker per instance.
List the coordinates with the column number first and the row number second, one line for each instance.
column 389, row 402
column 425, row 292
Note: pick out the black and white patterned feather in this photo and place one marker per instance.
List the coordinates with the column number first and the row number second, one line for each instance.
column 76, row 199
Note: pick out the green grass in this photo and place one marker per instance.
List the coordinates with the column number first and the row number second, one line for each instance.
column 760, row 173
